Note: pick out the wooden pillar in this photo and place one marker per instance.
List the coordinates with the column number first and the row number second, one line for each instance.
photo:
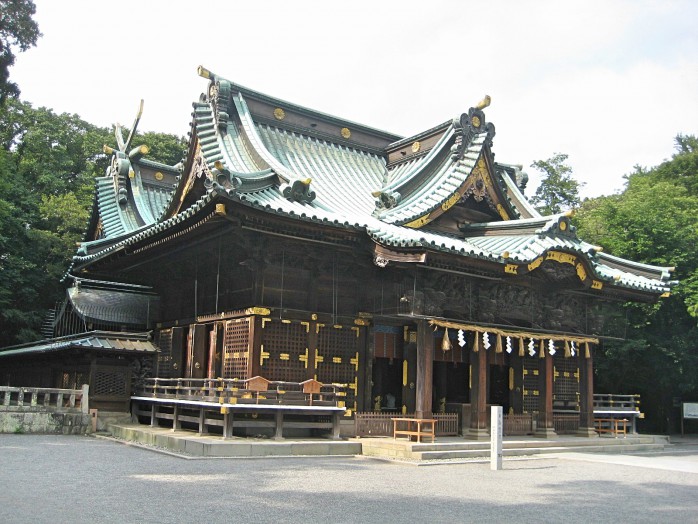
column 586, row 395
column 362, row 376
column 425, row 369
column 227, row 423
column 254, row 346
column 313, row 346
column 545, row 427
column 478, row 394
column 440, row 385
column 370, row 385
column 335, row 426
column 279, row 423
column 516, row 383
column 409, row 374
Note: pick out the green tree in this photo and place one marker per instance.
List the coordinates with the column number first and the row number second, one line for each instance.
column 48, row 165
column 654, row 220
column 558, row 190
column 18, row 30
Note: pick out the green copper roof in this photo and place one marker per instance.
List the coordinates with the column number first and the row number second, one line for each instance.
column 248, row 149
column 99, row 341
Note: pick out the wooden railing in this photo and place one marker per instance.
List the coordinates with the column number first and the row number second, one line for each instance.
column 380, row 424
column 256, row 390
column 608, row 401
column 518, row 424
column 19, row 398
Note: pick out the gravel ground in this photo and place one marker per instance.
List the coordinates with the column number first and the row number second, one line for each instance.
column 83, row 479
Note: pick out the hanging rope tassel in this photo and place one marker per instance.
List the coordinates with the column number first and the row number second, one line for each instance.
column 446, row 343
column 476, row 344
column 498, row 346
column 541, row 348
column 522, row 347
column 587, row 351
column 567, row 349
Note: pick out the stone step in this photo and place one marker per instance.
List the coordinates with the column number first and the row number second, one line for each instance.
column 527, row 451
column 191, row 444
column 534, row 443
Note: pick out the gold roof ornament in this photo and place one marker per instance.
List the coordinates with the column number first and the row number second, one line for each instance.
column 485, row 102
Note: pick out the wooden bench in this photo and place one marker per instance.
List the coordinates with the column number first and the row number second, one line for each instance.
column 414, row 427
column 614, row 426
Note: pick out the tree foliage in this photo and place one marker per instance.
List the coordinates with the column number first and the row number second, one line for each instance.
column 48, row 165
column 654, row 220
column 558, row 190
column 18, row 30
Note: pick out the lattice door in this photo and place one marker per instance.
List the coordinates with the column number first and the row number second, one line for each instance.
column 337, row 359
column 165, row 356
column 236, row 348
column 284, row 352
column 531, row 393
column 566, row 383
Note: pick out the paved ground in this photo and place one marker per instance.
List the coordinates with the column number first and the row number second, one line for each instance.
column 48, row 479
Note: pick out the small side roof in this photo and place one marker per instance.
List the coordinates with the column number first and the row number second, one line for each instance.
column 99, row 341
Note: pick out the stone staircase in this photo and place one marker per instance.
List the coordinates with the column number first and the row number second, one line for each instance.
column 448, row 449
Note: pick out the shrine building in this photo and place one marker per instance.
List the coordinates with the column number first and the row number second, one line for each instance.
column 292, row 245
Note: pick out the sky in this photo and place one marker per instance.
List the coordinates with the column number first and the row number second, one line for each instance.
column 608, row 82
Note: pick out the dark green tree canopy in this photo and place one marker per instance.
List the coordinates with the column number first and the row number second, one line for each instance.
column 558, row 191
column 48, row 165
column 18, row 30
column 654, row 220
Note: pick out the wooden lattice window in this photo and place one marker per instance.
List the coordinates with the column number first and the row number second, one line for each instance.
column 73, row 379
column 284, row 354
column 165, row 355
column 236, row 348
column 531, row 392
column 338, row 358
column 109, row 383
column 566, row 384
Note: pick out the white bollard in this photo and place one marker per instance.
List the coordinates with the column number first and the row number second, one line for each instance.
column 496, row 426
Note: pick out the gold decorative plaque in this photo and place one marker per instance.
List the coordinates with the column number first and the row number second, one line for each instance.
column 279, row 113
column 416, row 146
column 345, row 132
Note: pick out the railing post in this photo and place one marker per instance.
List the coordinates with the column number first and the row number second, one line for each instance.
column 20, row 397
column 85, row 399
column 8, row 394
column 35, row 397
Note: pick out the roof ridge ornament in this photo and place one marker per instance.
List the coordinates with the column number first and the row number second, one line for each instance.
column 469, row 125
column 120, row 167
column 218, row 95
column 298, row 190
